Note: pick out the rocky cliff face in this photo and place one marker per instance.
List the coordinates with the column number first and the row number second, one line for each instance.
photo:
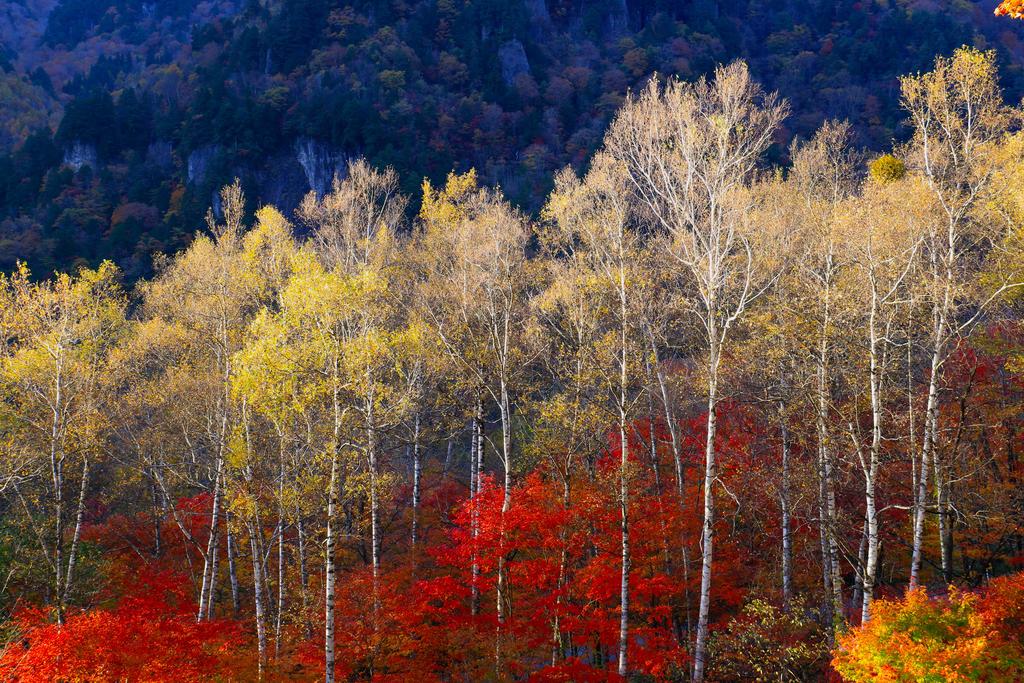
column 199, row 163
column 282, row 179
column 320, row 162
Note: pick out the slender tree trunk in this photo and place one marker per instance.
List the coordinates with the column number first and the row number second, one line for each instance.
column 838, row 613
column 680, row 480
column 624, row 583
column 942, row 317
column 279, row 616
column 945, row 523
column 563, row 568
column 209, row 561
column 329, row 580
column 303, row 573
column 942, row 484
column 371, row 457
column 332, row 508
column 157, row 516
column 57, row 474
column 678, row 462
column 211, row 597
column 928, row 442
column 417, row 468
column 475, row 477
column 871, row 469
column 472, row 456
column 787, row 536
column 670, row 424
column 79, row 514
column 708, row 534
column 232, row 568
column 658, row 490
column 502, row 587
column 480, row 440
column 623, row 477
column 255, row 528
column 921, row 495
column 831, row 576
column 827, row 578
column 862, row 560
column 912, row 448
column 257, row 579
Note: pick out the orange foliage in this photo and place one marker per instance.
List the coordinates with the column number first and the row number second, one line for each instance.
column 967, row 637
column 1011, row 8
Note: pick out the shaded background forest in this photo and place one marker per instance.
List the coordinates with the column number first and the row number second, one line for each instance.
column 121, row 119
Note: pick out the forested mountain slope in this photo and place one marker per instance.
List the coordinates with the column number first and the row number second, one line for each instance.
column 121, row 119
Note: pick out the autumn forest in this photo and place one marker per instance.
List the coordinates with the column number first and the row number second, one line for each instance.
column 724, row 407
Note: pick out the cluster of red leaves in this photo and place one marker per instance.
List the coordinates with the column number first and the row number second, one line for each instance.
column 418, row 622
column 126, row 539
column 965, row 637
column 149, row 635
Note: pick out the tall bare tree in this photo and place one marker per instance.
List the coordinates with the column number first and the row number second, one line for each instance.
column 958, row 115
column 691, row 151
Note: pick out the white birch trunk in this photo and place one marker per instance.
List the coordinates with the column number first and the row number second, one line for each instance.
column 708, row 533
column 623, row 477
column 787, row 538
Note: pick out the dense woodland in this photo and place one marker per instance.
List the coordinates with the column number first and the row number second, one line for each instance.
column 123, row 118
column 703, row 418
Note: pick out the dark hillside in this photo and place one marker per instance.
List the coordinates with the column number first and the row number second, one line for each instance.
column 121, row 119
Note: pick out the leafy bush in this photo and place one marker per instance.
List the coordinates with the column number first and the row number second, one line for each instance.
column 887, row 168
column 766, row 643
column 965, row 637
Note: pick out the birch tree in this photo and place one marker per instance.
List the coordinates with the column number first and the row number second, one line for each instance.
column 55, row 343
column 691, row 151
column 593, row 217
column 823, row 176
column 881, row 232
column 204, row 292
column 318, row 328
column 958, row 115
column 353, row 229
column 476, row 294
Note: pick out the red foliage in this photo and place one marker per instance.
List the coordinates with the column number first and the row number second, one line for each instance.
column 150, row 635
column 418, row 620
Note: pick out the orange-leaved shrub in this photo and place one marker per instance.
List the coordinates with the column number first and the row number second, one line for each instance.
column 965, row 637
